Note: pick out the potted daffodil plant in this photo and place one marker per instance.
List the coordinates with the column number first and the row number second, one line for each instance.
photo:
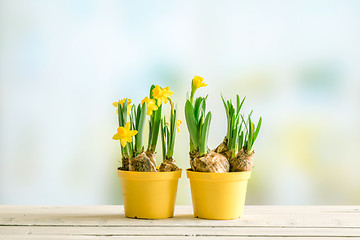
column 148, row 191
column 218, row 177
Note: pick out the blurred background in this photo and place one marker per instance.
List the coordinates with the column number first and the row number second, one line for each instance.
column 63, row 63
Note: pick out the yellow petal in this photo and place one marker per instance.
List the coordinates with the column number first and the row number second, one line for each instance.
column 146, row 99
column 133, row 132
column 115, row 104
column 121, row 131
column 129, row 139
column 167, row 92
column 157, row 92
column 149, row 111
column 127, row 126
column 198, row 82
column 123, row 142
column 122, row 101
column 165, row 100
column 116, row 136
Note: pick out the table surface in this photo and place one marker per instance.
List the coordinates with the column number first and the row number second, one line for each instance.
column 109, row 222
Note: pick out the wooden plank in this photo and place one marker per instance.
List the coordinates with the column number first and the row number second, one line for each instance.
column 68, row 237
column 285, row 216
column 184, row 231
column 105, row 222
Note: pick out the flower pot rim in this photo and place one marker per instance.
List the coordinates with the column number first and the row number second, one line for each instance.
column 135, row 175
column 211, row 176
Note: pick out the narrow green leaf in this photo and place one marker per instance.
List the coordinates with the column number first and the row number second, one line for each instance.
column 124, row 112
column 245, row 123
column 251, row 133
column 197, row 107
column 241, row 141
column 240, row 106
column 120, row 118
column 151, row 89
column 155, row 128
column 204, row 131
column 163, row 137
column 191, row 124
column 140, row 127
column 137, row 113
column 173, row 119
column 257, row 129
column 225, row 105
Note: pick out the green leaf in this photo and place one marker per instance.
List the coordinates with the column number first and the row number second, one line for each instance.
column 163, row 137
column 120, row 118
column 137, row 113
column 173, row 119
column 202, row 111
column 151, row 95
column 197, row 106
column 241, row 141
column 257, row 129
column 245, row 123
column 155, row 128
column 133, row 117
column 191, row 124
column 226, row 107
column 204, row 131
column 140, row 127
column 124, row 112
column 239, row 105
column 251, row 134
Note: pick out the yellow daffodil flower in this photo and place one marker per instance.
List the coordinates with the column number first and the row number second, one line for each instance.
column 124, row 134
column 161, row 95
column 150, row 105
column 178, row 122
column 122, row 101
column 197, row 82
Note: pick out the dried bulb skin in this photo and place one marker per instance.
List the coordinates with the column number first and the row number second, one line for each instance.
column 211, row 162
column 223, row 149
column 125, row 164
column 242, row 161
column 141, row 163
column 192, row 157
column 151, row 155
column 168, row 165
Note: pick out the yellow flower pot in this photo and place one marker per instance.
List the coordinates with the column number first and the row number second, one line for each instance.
column 149, row 195
column 218, row 195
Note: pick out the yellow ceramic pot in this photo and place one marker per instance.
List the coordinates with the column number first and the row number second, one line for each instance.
column 218, row 195
column 149, row 194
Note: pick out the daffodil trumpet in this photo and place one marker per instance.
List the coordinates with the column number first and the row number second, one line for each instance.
column 238, row 142
column 168, row 133
column 196, row 83
column 198, row 124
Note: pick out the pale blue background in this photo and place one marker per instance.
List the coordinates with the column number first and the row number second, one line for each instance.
column 62, row 64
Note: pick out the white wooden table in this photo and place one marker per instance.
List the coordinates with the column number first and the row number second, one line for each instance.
column 108, row 222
